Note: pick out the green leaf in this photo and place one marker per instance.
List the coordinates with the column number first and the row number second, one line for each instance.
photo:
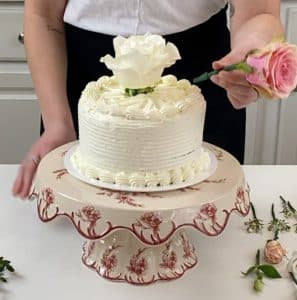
column 250, row 270
column 133, row 92
column 269, row 271
column 10, row 268
column 6, row 262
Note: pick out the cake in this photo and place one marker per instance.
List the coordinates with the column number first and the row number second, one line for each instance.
column 138, row 128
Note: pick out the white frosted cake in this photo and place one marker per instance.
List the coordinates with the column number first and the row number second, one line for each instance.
column 141, row 134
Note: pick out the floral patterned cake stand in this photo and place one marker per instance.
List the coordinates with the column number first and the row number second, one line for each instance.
column 140, row 238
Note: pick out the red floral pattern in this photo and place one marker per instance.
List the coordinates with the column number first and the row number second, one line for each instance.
column 48, row 196
column 189, row 250
column 90, row 248
column 152, row 221
column 222, row 180
column 218, row 153
column 91, row 215
column 208, row 211
column 109, row 260
column 207, row 220
column 169, row 258
column 44, row 203
column 242, row 203
column 138, row 264
column 122, row 197
column 60, row 173
column 126, row 198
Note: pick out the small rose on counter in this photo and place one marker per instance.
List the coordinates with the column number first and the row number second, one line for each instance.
column 5, row 265
column 274, row 252
column 271, row 70
column 261, row 270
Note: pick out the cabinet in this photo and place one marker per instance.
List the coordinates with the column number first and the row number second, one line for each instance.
column 19, row 112
column 271, row 136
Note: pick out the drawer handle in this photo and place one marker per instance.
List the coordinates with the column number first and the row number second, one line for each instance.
column 21, row 37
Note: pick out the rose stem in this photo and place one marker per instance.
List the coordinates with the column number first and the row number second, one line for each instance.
column 272, row 212
column 258, row 257
column 253, row 211
column 283, row 200
column 293, row 277
column 291, row 207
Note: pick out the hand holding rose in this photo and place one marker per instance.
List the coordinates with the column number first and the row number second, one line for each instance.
column 271, row 71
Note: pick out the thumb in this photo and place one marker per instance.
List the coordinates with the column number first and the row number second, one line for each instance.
column 232, row 57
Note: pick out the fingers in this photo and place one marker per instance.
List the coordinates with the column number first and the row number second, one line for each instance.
column 239, row 91
column 18, row 183
column 50, row 139
column 23, row 182
column 233, row 56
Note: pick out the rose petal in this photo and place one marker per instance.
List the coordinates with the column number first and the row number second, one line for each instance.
column 140, row 60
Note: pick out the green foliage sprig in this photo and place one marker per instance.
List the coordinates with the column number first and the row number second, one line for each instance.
column 254, row 225
column 288, row 211
column 261, row 270
column 134, row 92
column 277, row 225
column 5, row 265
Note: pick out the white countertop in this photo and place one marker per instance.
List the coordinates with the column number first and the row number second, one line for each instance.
column 47, row 256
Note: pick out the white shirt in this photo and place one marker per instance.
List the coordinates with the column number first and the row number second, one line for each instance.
column 127, row 17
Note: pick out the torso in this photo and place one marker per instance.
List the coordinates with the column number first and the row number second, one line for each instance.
column 127, row 17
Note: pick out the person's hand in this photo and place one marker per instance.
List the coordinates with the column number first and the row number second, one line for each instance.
column 52, row 137
column 253, row 33
column 239, row 91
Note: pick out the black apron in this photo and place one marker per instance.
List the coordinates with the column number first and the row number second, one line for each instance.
column 198, row 46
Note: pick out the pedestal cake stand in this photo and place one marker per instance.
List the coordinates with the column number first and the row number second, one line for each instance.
column 139, row 237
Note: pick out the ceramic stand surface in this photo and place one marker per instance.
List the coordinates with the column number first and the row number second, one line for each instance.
column 139, row 237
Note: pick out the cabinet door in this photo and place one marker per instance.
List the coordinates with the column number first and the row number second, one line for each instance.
column 271, row 134
column 11, row 25
column 19, row 124
column 287, row 142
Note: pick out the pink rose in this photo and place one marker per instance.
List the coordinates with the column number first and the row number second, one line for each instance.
column 274, row 252
column 274, row 69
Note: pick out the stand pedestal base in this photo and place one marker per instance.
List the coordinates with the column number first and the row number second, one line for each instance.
column 121, row 256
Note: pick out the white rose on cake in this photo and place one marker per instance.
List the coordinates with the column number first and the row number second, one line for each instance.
column 140, row 60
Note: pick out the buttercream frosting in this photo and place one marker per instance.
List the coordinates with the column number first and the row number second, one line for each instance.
column 147, row 140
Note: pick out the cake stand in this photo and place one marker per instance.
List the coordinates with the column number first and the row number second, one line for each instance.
column 140, row 238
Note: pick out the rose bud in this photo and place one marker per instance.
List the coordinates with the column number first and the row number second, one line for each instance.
column 274, row 252
column 274, row 69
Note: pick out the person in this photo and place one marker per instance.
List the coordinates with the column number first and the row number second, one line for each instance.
column 64, row 41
